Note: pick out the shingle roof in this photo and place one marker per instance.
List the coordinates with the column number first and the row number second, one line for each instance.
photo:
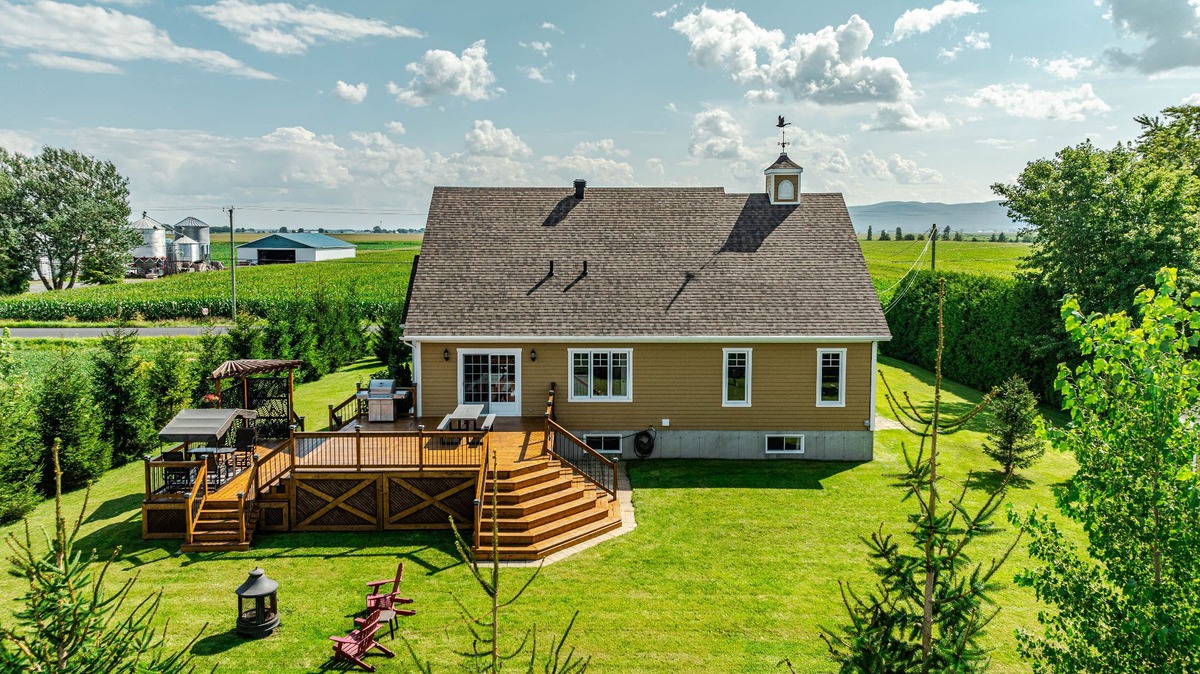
column 784, row 163
column 660, row 262
column 286, row 240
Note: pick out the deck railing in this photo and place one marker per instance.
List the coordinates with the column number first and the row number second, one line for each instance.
column 195, row 500
column 480, row 490
column 168, row 480
column 271, row 466
column 597, row 468
column 377, row 450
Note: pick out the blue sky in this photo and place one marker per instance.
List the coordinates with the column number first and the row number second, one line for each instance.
column 360, row 108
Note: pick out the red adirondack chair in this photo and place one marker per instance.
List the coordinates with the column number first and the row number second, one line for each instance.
column 377, row 599
column 355, row 646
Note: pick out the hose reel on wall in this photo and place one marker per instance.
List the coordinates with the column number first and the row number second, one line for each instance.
column 643, row 444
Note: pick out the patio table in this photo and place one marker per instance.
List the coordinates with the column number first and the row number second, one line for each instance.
column 214, row 454
column 464, row 416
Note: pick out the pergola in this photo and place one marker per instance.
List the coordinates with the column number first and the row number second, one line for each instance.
column 255, row 400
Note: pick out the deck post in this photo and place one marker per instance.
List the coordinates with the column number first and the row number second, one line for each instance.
column 241, row 517
column 254, row 474
column 421, row 446
column 331, row 424
column 146, row 463
column 358, row 447
column 292, row 446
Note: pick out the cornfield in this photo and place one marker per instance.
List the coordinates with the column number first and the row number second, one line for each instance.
column 379, row 278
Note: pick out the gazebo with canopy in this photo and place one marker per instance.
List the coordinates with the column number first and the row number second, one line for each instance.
column 263, row 388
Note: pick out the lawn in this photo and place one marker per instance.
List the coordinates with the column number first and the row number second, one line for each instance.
column 888, row 261
column 733, row 566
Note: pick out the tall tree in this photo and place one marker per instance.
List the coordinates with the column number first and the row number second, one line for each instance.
column 70, row 211
column 168, row 382
column 1013, row 440
column 20, row 445
column 870, row 233
column 214, row 350
column 65, row 411
column 929, row 606
column 14, row 270
column 122, row 396
column 1107, row 220
column 1130, row 601
column 68, row 621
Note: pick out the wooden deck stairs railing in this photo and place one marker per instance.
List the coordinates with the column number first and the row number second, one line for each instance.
column 544, row 504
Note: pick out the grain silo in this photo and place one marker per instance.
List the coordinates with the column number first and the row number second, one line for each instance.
column 150, row 257
column 200, row 232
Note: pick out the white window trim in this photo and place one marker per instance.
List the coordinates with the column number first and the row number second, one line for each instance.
column 618, row 436
column 768, row 436
column 725, row 401
column 841, row 401
column 482, row 352
column 572, row 398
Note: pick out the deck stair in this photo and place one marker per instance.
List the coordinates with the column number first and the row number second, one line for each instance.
column 542, row 507
column 217, row 528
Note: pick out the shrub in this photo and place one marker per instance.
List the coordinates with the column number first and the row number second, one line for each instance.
column 20, row 446
column 121, row 392
column 995, row 328
column 214, row 350
column 168, row 381
column 1013, row 440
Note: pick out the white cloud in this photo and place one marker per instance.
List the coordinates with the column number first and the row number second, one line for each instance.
column 546, row 25
column 903, row 117
column 596, row 170
column 976, row 41
column 920, row 20
column 895, row 167
column 1194, row 99
column 835, row 161
column 16, row 141
column 604, row 146
column 351, row 93
column 282, row 28
column 395, row 128
column 671, row 107
column 655, row 166
column 664, row 13
column 762, row 96
column 571, row 76
column 53, row 28
column 60, row 62
column 542, row 48
column 827, row 67
column 717, row 135
column 537, row 74
column 1171, row 29
column 444, row 73
column 488, row 140
column 1021, row 100
column 1066, row 68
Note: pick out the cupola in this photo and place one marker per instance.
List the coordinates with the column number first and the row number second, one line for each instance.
column 783, row 177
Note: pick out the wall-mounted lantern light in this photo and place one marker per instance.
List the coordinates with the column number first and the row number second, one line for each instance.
column 445, row 354
column 533, row 354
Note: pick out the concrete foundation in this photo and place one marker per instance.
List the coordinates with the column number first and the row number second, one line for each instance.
column 818, row 445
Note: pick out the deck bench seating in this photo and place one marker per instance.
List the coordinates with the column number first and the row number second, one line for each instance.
column 445, row 425
column 487, row 423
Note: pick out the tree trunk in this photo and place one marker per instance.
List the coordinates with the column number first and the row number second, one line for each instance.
column 930, row 573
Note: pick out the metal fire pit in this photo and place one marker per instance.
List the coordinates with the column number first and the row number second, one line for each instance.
column 258, row 608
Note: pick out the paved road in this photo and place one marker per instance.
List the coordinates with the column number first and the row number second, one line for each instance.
column 73, row 333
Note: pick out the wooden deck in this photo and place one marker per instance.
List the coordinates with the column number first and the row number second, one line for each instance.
column 514, row 440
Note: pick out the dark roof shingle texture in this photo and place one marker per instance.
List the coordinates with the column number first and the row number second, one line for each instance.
column 660, row 262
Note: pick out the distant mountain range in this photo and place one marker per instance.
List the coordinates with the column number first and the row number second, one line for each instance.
column 917, row 216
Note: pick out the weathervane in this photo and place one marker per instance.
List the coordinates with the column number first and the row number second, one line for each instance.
column 783, row 133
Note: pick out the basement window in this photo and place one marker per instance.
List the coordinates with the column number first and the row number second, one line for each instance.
column 605, row 443
column 785, row 444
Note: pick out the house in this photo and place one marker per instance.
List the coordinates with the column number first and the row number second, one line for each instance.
column 689, row 322
column 286, row 248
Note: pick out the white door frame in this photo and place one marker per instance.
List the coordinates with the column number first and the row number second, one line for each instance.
column 516, row 353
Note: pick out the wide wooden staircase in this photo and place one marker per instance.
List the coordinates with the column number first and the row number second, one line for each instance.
column 542, row 507
column 217, row 529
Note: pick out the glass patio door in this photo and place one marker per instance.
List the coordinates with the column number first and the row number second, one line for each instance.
column 492, row 380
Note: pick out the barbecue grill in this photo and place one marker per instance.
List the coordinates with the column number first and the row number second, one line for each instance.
column 381, row 399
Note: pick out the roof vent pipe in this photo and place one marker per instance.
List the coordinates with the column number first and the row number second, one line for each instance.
column 551, row 268
column 580, row 184
column 584, row 268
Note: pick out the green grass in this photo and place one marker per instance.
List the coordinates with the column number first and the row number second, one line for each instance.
column 733, row 565
column 888, row 261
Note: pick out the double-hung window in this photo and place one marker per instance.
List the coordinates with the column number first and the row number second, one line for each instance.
column 831, row 377
column 736, row 378
column 600, row 375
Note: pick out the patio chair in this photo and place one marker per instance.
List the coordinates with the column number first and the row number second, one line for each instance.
column 355, row 646
column 245, row 441
column 377, row 599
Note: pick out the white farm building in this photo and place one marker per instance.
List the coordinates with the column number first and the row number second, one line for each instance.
column 288, row 248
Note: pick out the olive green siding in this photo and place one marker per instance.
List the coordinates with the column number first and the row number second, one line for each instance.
column 681, row 382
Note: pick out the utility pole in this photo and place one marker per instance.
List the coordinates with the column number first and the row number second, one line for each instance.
column 933, row 234
column 233, row 260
